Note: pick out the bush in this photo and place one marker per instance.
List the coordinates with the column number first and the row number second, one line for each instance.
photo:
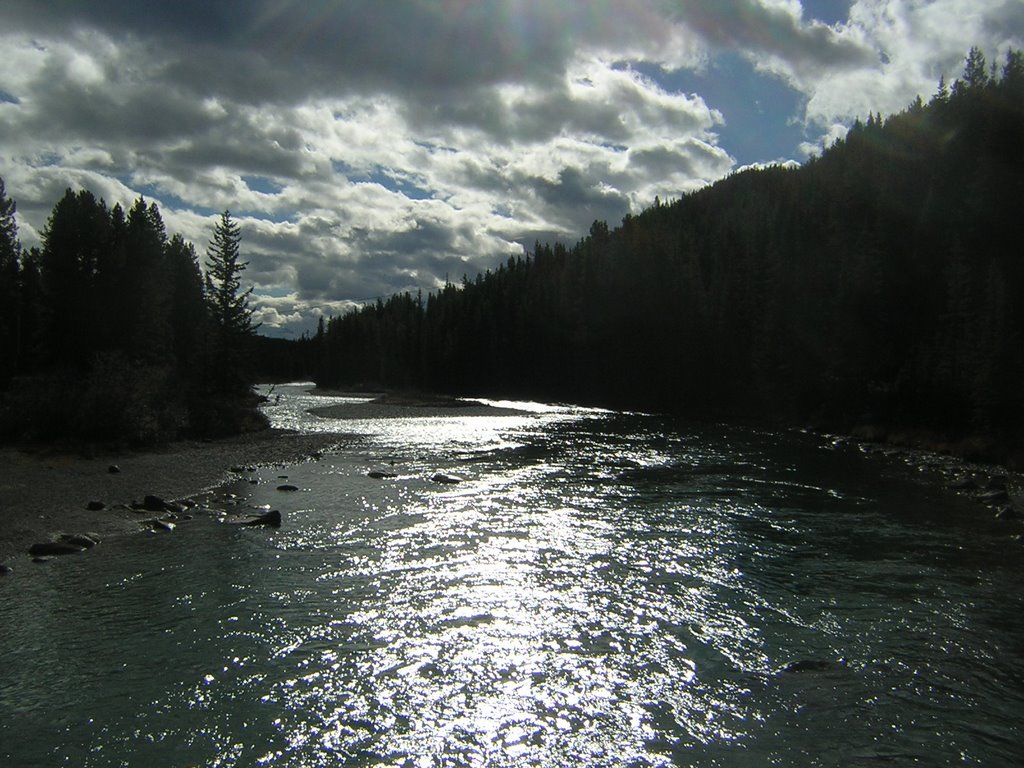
column 139, row 404
column 223, row 416
column 38, row 408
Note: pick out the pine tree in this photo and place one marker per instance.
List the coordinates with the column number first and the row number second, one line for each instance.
column 73, row 240
column 975, row 69
column 229, row 309
column 145, row 286
column 187, row 312
column 227, row 303
column 8, row 226
column 9, row 294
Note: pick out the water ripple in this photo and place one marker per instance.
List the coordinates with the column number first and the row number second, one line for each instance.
column 600, row 589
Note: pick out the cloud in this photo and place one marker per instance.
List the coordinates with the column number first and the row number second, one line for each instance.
column 301, row 49
column 371, row 147
column 775, row 35
column 913, row 45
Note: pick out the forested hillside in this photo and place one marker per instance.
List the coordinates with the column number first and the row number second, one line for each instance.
column 880, row 283
column 109, row 330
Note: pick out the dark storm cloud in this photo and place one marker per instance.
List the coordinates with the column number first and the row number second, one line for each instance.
column 1006, row 23
column 111, row 115
column 576, row 197
column 662, row 159
column 768, row 29
column 294, row 48
column 245, row 150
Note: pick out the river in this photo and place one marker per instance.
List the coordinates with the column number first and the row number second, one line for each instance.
column 601, row 589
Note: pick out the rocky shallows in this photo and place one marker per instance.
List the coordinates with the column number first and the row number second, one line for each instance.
column 45, row 491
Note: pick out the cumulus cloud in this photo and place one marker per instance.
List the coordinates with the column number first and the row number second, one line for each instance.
column 368, row 148
column 913, row 44
column 774, row 33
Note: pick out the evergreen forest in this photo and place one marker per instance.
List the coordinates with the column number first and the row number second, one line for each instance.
column 880, row 284
column 110, row 331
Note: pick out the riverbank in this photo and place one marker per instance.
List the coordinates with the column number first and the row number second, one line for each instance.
column 405, row 406
column 45, row 491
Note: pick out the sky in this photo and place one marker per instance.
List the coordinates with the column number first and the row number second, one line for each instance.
column 369, row 147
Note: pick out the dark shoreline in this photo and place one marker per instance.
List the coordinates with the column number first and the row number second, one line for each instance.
column 44, row 491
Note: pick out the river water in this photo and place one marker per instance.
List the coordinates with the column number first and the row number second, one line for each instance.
column 602, row 589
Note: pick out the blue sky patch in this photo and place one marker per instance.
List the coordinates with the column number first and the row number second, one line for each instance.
column 745, row 97
column 263, row 185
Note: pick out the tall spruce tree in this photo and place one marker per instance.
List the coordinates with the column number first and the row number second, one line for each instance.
column 228, row 304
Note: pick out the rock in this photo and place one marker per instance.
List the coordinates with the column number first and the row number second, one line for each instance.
column 5, row 569
column 95, row 506
column 82, row 540
column 154, row 504
column 158, row 524
column 1007, row 513
column 812, row 665
column 379, row 475
column 113, row 469
column 441, row 477
column 287, row 487
column 272, row 518
column 54, row 548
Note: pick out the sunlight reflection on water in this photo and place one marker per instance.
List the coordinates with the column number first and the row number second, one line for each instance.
column 598, row 590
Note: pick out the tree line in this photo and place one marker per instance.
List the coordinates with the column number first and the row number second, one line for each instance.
column 110, row 330
column 881, row 283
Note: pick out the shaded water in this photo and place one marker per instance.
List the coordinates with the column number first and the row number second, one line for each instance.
column 602, row 589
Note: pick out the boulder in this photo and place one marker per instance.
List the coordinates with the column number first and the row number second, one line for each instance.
column 812, row 665
column 271, row 518
column 377, row 474
column 154, row 504
column 113, row 469
column 446, row 479
column 5, row 569
column 95, row 506
column 53, row 548
column 287, row 487
column 83, row 540
column 158, row 524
